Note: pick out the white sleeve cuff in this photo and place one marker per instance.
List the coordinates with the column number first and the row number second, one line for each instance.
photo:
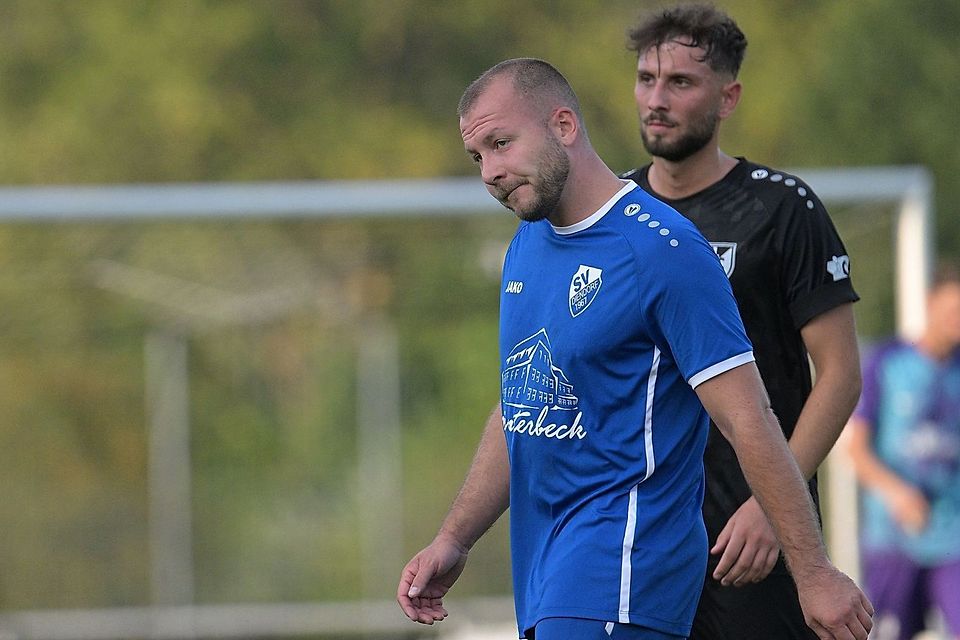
column 721, row 367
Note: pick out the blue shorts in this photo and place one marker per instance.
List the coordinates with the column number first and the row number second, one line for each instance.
column 583, row 629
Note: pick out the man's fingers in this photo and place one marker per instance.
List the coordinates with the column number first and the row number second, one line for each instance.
column 742, row 564
column 403, row 593
column 754, row 572
column 844, row 633
column 867, row 605
column 743, row 569
column 820, row 630
column 420, row 580
column 840, row 633
column 430, row 610
column 413, row 581
column 865, row 614
column 763, row 564
column 772, row 556
column 722, row 540
column 407, row 607
column 858, row 630
column 857, row 626
column 727, row 560
column 423, row 610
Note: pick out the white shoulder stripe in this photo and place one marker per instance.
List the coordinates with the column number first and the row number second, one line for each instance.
column 720, row 367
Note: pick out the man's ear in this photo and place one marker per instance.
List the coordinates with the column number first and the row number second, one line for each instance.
column 565, row 125
column 729, row 98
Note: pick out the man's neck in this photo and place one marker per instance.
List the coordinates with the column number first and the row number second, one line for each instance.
column 589, row 186
column 676, row 180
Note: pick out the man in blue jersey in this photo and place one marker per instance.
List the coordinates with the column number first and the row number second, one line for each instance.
column 790, row 275
column 905, row 443
column 618, row 327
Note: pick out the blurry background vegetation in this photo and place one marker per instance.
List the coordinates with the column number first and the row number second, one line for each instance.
column 103, row 91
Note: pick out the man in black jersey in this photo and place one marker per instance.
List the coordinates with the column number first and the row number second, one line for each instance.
column 790, row 275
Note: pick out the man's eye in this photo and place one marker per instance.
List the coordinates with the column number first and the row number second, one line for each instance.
column 475, row 157
column 499, row 144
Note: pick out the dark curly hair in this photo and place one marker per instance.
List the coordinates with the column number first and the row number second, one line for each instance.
column 705, row 26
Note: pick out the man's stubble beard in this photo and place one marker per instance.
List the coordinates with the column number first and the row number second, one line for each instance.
column 701, row 132
column 552, row 174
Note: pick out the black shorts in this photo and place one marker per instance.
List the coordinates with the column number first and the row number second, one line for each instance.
column 758, row 611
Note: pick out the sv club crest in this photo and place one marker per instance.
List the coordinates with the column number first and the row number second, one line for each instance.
column 584, row 287
column 727, row 252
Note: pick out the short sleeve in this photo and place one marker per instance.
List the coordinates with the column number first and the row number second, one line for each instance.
column 690, row 308
column 815, row 265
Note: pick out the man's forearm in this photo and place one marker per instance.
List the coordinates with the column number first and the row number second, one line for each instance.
column 777, row 483
column 822, row 420
column 831, row 340
column 485, row 493
column 739, row 406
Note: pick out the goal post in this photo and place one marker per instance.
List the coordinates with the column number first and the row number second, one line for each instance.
column 908, row 189
column 911, row 190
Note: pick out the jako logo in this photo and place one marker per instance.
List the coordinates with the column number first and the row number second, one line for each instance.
column 839, row 267
column 514, row 286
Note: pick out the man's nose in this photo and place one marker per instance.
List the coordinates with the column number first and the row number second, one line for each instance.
column 491, row 170
column 655, row 97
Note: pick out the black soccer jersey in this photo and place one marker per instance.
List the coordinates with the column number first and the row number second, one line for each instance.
column 787, row 265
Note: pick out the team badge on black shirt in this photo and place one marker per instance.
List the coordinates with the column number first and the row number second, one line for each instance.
column 727, row 252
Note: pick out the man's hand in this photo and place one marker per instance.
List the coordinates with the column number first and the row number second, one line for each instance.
column 748, row 546
column 908, row 506
column 428, row 577
column 833, row 606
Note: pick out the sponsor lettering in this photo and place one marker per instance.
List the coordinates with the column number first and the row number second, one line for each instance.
column 522, row 422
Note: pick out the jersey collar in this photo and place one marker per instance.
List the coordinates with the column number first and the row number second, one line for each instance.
column 586, row 223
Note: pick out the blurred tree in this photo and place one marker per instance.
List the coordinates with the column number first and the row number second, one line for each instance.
column 884, row 95
column 119, row 92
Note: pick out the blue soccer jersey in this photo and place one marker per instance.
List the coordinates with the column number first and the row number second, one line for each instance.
column 606, row 327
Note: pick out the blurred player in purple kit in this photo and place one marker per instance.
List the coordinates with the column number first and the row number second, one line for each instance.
column 905, row 443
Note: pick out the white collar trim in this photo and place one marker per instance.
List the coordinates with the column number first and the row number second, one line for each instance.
column 586, row 223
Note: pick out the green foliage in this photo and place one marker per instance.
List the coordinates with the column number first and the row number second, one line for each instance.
column 886, row 96
column 120, row 92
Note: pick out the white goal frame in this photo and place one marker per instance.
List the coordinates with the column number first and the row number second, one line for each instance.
column 910, row 188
